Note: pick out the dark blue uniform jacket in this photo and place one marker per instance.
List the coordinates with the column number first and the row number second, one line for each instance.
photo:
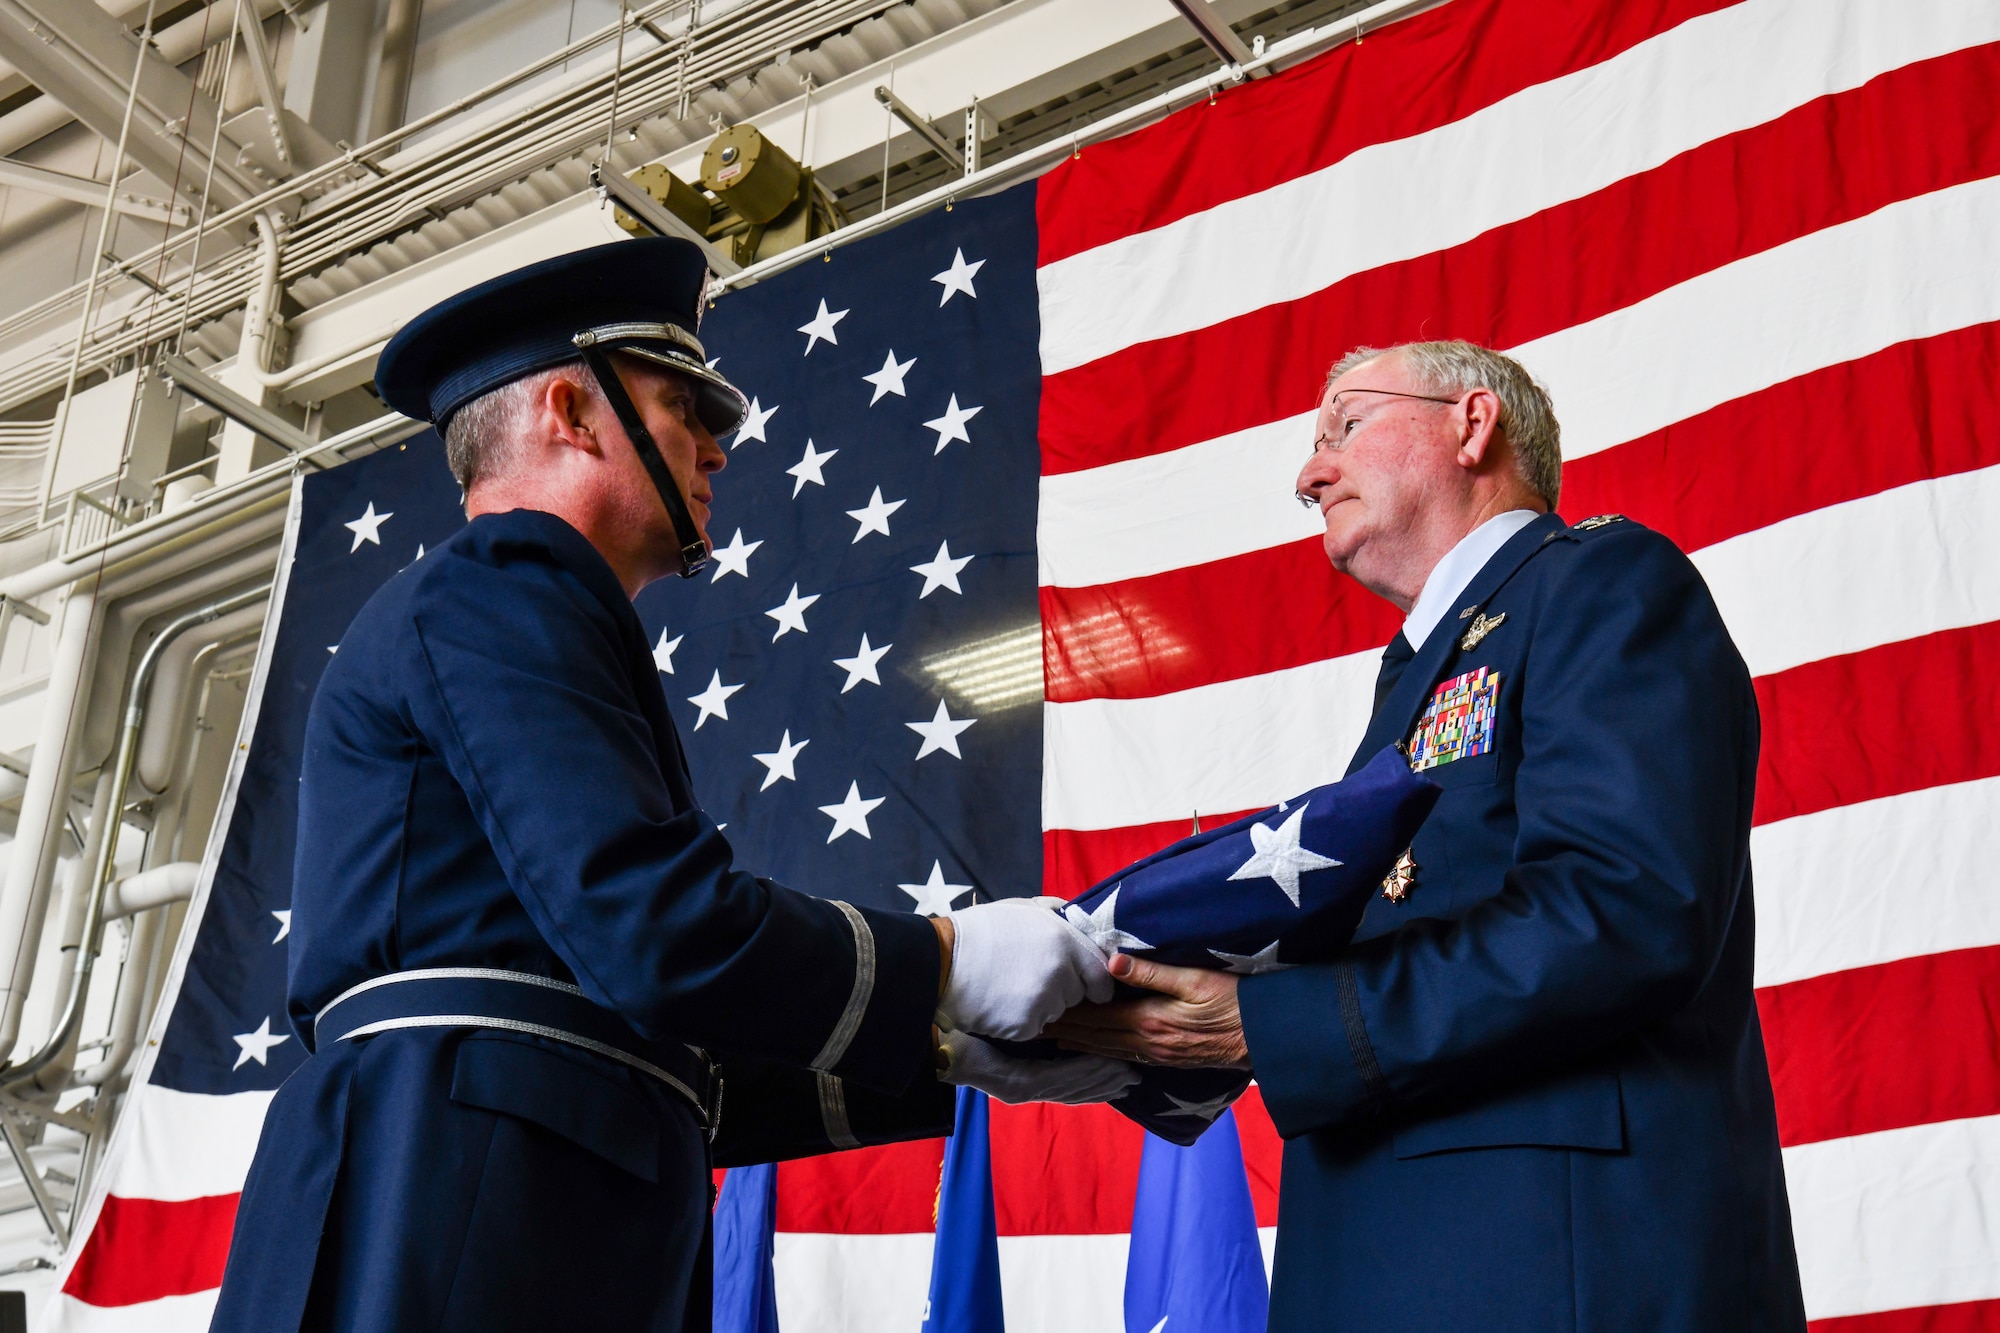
column 1533, row 1095
column 492, row 779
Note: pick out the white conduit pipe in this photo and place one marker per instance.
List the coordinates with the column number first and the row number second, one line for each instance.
column 170, row 883
column 33, row 853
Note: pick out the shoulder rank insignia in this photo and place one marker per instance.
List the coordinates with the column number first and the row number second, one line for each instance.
column 1396, row 885
column 1481, row 627
column 1597, row 521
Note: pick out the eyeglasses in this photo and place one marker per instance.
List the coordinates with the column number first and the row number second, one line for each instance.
column 1335, row 446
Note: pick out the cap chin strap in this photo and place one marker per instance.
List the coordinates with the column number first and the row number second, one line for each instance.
column 694, row 550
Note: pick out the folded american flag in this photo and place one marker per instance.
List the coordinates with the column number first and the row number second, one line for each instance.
column 1274, row 889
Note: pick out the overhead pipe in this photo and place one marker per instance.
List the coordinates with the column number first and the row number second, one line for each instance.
column 91, row 940
column 170, row 883
column 180, row 674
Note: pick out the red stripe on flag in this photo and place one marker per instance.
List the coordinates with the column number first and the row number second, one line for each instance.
column 147, row 1249
column 1830, row 161
column 1911, row 1042
column 1063, row 1170
column 868, row 1191
column 1969, row 1317
column 1263, row 611
column 1893, row 719
column 1075, row 859
column 1416, row 75
column 1912, row 412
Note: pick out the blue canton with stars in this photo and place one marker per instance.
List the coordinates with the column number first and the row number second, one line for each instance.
column 884, row 487
column 857, row 679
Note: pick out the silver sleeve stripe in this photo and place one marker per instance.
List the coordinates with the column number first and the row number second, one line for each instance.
column 843, row 1032
column 833, row 1113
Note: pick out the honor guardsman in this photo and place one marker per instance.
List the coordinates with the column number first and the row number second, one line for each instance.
column 541, row 997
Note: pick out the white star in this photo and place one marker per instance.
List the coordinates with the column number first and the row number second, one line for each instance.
column 874, row 517
column 1099, row 925
column 1253, row 964
column 941, row 572
column 941, row 733
column 367, row 528
column 958, row 278
column 334, row 647
column 851, row 815
column 1207, row 1110
column 284, row 924
column 951, row 426
column 889, row 379
column 779, row 762
column 809, row 469
column 257, row 1045
column 934, row 896
column 861, row 666
column 413, row 559
column 1279, row 856
column 753, row 423
column 733, row 558
column 792, row 615
column 821, row 326
column 663, row 651
column 713, row 701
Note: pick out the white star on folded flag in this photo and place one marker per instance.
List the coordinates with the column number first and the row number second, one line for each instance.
column 941, row 732
column 1278, row 856
column 889, row 379
column 874, row 516
column 733, row 558
column 367, row 528
column 754, row 422
column 663, row 653
column 1101, row 925
column 713, row 701
column 809, row 469
column 1253, row 964
column 778, row 763
column 792, row 615
column 284, row 924
column 951, row 426
column 958, row 278
column 861, row 666
column 820, row 327
column 257, row 1045
column 1208, row 1110
column 934, row 896
column 851, row 814
column 941, row 571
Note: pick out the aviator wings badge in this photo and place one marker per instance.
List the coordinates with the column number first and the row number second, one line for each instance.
column 1481, row 627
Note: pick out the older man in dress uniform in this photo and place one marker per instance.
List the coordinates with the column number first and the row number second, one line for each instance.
column 542, row 999
column 1532, row 1094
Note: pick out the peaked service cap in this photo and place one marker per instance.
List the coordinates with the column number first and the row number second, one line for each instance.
column 640, row 296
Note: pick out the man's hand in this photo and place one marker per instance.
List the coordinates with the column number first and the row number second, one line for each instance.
column 1071, row 1079
column 1017, row 965
column 1194, row 1022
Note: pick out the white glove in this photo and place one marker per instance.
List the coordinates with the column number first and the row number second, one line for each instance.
column 1016, row 966
column 1070, row 1079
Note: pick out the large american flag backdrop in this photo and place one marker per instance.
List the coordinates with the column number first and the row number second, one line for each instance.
column 1751, row 250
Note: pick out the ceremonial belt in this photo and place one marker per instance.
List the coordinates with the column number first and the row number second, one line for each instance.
column 489, row 997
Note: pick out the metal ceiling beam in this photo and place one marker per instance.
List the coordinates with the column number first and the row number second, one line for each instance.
column 195, row 383
column 83, row 190
column 926, row 131
column 252, row 31
column 1218, row 35
column 81, row 56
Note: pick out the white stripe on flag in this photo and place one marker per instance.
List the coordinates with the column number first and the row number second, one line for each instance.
column 1898, row 1219
column 1913, row 269
column 186, row 1145
column 169, row 1314
column 1822, row 300
column 1711, row 76
column 1876, row 881
column 1893, row 566
column 1235, row 745
column 1063, row 1284
column 836, row 1283
column 1187, row 506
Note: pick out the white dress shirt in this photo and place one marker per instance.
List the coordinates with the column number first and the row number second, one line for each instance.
column 1458, row 568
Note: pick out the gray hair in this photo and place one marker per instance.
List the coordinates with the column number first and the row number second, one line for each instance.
column 1527, row 417
column 480, row 439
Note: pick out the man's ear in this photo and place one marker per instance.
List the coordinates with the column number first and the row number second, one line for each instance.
column 1482, row 428
column 567, row 415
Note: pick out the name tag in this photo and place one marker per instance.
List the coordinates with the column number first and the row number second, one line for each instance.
column 1459, row 722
